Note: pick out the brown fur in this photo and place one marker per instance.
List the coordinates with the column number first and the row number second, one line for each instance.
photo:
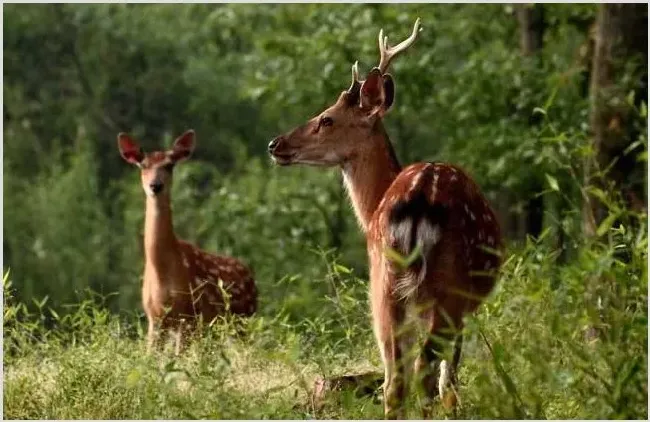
column 182, row 283
column 457, row 272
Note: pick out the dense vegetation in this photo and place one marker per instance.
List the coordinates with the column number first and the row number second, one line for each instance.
column 521, row 122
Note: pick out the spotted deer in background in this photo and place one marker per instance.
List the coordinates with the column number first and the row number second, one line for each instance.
column 181, row 282
column 432, row 211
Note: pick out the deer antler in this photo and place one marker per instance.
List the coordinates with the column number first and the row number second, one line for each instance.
column 355, row 78
column 388, row 53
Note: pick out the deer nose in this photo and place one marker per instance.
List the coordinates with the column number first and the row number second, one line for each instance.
column 274, row 144
column 156, row 187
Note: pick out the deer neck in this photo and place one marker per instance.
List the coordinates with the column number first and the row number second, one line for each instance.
column 367, row 176
column 160, row 244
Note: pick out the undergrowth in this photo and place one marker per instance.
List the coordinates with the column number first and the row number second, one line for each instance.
column 547, row 344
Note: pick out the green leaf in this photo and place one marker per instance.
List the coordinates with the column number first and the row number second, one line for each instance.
column 551, row 98
column 539, row 110
column 552, row 181
column 342, row 269
column 606, row 224
column 631, row 147
column 644, row 110
column 54, row 314
column 40, row 304
column 402, row 261
column 598, row 193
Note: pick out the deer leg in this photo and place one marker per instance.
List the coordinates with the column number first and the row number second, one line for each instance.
column 388, row 317
column 436, row 374
column 448, row 385
column 154, row 335
column 181, row 333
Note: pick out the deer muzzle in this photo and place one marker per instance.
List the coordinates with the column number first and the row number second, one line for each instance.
column 279, row 152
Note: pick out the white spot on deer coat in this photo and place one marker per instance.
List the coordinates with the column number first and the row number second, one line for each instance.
column 434, row 189
column 415, row 181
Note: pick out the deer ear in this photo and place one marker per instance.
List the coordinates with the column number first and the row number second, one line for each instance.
column 372, row 90
column 373, row 93
column 183, row 146
column 129, row 149
column 389, row 91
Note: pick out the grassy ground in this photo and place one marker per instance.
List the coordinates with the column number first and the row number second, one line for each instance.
column 527, row 354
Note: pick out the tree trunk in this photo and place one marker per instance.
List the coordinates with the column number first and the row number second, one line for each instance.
column 531, row 27
column 620, row 36
column 531, row 30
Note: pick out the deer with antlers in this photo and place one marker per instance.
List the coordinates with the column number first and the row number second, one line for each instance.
column 431, row 211
column 181, row 283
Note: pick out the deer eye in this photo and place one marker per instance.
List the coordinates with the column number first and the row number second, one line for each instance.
column 326, row 121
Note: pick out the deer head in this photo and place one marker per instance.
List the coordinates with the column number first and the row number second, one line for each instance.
column 344, row 130
column 156, row 167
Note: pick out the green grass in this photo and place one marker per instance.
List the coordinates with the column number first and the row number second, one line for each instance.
column 526, row 353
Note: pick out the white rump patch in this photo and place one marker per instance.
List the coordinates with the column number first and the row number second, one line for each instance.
column 428, row 233
column 426, row 236
column 402, row 234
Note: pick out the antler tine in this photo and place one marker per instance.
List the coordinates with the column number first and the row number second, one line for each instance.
column 355, row 71
column 386, row 53
column 355, row 77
